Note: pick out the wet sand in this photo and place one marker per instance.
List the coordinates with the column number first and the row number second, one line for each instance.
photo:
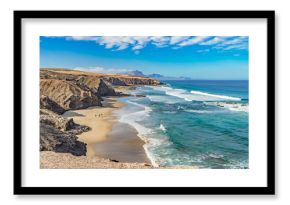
column 122, row 144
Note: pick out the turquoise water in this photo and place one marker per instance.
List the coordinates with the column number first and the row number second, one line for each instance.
column 201, row 123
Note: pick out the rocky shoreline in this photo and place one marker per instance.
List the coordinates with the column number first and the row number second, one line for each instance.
column 62, row 90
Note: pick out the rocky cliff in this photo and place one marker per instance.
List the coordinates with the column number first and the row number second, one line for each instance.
column 62, row 89
column 123, row 80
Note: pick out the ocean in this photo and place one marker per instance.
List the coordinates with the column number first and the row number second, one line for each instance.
column 201, row 123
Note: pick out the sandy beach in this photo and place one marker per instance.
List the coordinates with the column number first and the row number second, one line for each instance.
column 108, row 138
column 52, row 160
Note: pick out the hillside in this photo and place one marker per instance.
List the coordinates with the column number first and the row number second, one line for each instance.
column 72, row 89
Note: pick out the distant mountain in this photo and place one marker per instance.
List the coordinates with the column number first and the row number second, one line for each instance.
column 155, row 75
column 185, row 78
column 135, row 73
column 173, row 78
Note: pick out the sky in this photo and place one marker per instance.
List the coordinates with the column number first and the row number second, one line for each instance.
column 197, row 57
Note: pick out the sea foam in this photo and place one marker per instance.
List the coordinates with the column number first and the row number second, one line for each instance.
column 132, row 119
column 194, row 95
column 161, row 127
column 223, row 97
column 238, row 107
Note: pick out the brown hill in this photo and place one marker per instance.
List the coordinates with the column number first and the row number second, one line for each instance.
column 114, row 79
column 63, row 89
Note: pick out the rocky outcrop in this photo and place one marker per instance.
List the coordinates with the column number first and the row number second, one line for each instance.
column 61, row 123
column 139, row 81
column 131, row 80
column 67, row 94
column 52, row 139
column 114, row 81
column 96, row 85
column 46, row 103
column 59, row 134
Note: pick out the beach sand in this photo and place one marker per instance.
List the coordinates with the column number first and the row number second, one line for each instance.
column 122, row 144
column 108, row 138
column 52, row 160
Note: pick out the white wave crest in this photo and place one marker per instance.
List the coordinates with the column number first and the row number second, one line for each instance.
column 194, row 95
column 223, row 97
column 199, row 111
column 164, row 99
column 162, row 127
column 132, row 119
column 238, row 107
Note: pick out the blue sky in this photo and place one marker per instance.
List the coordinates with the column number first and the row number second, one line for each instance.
column 198, row 57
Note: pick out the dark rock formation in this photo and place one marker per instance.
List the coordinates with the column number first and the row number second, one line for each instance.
column 139, row 81
column 63, row 124
column 114, row 81
column 52, row 139
column 131, row 80
column 58, row 134
column 46, row 103
column 96, row 85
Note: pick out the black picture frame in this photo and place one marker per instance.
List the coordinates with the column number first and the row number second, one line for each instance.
column 268, row 190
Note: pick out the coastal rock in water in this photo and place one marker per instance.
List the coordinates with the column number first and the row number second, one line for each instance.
column 46, row 103
column 67, row 94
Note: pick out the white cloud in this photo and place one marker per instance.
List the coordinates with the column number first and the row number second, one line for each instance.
column 213, row 41
column 136, row 43
column 103, row 70
column 192, row 41
column 137, row 47
column 237, row 43
column 176, row 39
column 82, row 38
column 237, row 46
column 160, row 41
column 236, row 40
column 203, row 51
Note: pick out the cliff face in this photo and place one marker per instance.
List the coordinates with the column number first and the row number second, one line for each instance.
column 68, row 95
column 96, row 85
column 63, row 90
column 131, row 80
